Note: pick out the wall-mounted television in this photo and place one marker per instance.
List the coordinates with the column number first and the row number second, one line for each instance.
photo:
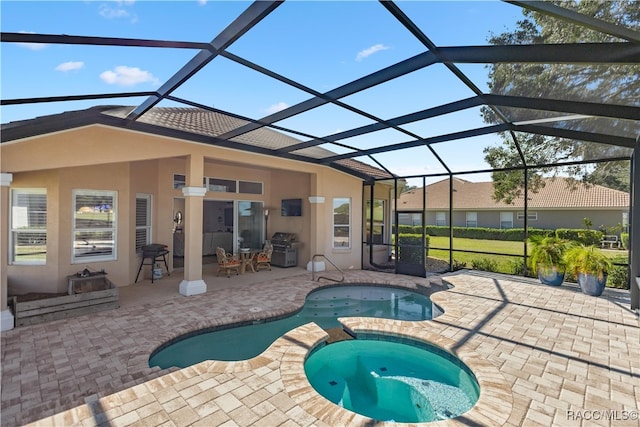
column 291, row 207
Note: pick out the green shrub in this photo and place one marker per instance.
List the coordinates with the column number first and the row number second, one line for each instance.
column 580, row 235
column 485, row 264
column 619, row 274
column 624, row 238
column 517, row 267
column 409, row 229
column 508, row 234
column 410, row 248
column 458, row 265
column 584, row 237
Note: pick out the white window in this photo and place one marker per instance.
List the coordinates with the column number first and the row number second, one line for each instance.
column 28, row 226
column 143, row 221
column 249, row 187
column 94, row 225
column 441, row 218
column 222, row 185
column 506, row 219
column 472, row 219
column 179, row 181
column 342, row 223
column 531, row 216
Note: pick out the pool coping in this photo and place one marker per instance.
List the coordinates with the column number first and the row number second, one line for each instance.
column 559, row 350
column 494, row 404
column 139, row 358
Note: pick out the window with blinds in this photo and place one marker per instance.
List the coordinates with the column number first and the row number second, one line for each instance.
column 28, row 226
column 472, row 219
column 143, row 221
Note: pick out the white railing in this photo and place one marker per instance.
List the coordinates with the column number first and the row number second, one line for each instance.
column 313, row 269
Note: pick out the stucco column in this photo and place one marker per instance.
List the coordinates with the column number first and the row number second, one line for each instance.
column 194, row 192
column 318, row 226
column 6, row 317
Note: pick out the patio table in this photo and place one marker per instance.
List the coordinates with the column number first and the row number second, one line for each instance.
column 246, row 259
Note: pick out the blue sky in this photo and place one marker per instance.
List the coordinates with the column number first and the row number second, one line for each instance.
column 321, row 44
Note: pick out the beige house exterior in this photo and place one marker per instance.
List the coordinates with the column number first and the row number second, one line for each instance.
column 81, row 153
column 556, row 205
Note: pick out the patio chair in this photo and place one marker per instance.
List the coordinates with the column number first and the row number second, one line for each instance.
column 263, row 258
column 227, row 262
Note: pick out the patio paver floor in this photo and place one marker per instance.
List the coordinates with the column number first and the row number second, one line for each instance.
column 554, row 355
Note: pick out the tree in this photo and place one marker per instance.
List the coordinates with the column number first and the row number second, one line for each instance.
column 614, row 84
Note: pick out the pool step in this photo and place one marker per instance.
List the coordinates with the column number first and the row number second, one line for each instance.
column 337, row 334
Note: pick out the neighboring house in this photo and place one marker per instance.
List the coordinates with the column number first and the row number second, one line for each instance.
column 89, row 189
column 556, row 205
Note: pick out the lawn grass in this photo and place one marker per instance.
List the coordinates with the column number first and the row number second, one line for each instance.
column 504, row 263
column 499, row 246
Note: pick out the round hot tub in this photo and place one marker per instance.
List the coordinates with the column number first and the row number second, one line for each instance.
column 390, row 379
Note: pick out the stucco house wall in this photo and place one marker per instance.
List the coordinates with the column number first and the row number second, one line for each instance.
column 556, row 205
column 103, row 158
column 546, row 219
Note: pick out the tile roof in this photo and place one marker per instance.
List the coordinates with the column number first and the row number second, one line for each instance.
column 556, row 194
column 194, row 121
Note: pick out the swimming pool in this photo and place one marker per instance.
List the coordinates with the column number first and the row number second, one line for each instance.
column 323, row 306
column 393, row 379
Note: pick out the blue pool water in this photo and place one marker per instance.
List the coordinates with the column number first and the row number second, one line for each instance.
column 323, row 307
column 393, row 381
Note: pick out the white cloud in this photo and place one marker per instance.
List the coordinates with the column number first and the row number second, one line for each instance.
column 32, row 46
column 277, row 107
column 117, row 10
column 70, row 66
column 370, row 51
column 202, row 2
column 127, row 76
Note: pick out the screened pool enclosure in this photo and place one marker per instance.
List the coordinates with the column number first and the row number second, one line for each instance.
column 440, row 90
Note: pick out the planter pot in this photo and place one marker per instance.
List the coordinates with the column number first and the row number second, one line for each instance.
column 550, row 276
column 591, row 285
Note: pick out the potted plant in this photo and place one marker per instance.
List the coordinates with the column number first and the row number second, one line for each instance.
column 590, row 267
column 546, row 258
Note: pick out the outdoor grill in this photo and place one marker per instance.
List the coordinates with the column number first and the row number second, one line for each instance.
column 284, row 251
column 154, row 253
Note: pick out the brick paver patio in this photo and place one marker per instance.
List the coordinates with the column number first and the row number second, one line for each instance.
column 543, row 356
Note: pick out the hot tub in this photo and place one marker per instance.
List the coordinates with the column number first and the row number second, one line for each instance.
column 391, row 379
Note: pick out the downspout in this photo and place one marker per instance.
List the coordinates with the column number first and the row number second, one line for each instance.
column 424, row 223
column 634, row 228
column 450, row 222
column 370, row 234
column 396, row 231
column 526, row 217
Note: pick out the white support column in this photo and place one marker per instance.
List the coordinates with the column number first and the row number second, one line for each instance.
column 7, row 320
column 192, row 227
column 317, row 218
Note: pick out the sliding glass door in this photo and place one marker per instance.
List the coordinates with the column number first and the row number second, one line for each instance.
column 250, row 224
